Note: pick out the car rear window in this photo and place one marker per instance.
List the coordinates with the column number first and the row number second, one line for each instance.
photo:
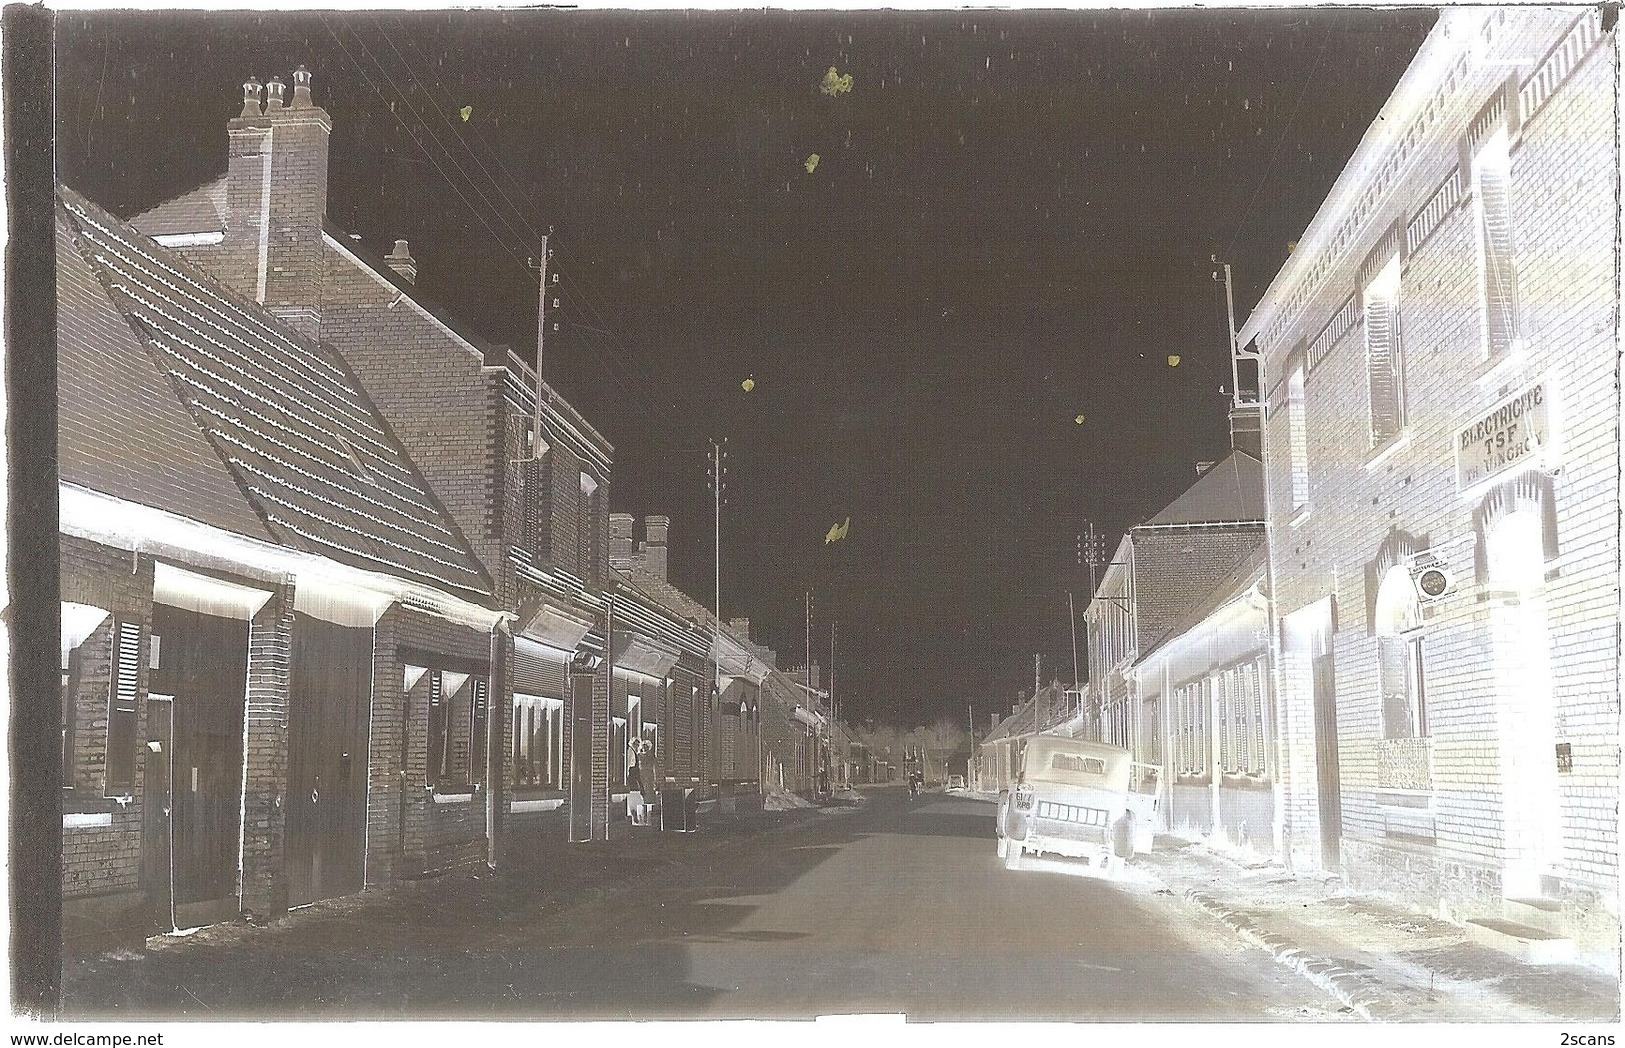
column 1076, row 762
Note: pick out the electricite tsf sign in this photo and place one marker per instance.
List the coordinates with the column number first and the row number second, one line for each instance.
column 1509, row 436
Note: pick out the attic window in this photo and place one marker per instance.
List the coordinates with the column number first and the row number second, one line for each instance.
column 356, row 465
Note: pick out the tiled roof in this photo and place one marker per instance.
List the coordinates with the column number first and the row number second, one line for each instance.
column 120, row 428
column 203, row 210
column 1233, row 490
column 298, row 434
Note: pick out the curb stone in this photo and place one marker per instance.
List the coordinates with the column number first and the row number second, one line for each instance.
column 1345, row 985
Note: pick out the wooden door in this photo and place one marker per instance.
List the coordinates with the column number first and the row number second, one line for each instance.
column 203, row 663
column 329, row 706
column 1328, row 775
column 156, row 809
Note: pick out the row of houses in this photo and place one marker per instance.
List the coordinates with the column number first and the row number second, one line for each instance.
column 342, row 597
column 1381, row 637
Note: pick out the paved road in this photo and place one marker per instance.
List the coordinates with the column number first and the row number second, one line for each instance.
column 899, row 906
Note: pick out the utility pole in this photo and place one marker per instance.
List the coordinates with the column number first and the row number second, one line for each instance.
column 541, row 339
column 718, row 472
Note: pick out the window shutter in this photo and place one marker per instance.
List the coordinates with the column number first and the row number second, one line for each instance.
column 478, row 712
column 1495, row 231
column 437, row 729
column 1393, row 675
column 123, row 692
column 1382, row 362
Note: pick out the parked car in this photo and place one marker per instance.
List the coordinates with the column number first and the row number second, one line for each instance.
column 1079, row 799
column 956, row 782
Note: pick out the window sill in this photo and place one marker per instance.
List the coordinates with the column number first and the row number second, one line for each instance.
column 455, row 794
column 86, row 820
column 1503, row 368
column 92, row 802
column 1383, row 452
column 1299, row 515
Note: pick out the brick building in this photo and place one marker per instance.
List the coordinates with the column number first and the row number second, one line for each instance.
column 1163, row 571
column 527, row 483
column 251, row 566
column 1440, row 359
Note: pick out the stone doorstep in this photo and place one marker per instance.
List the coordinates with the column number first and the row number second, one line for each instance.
column 1545, row 914
column 1526, row 943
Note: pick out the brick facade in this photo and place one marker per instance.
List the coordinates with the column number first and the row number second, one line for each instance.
column 1472, row 808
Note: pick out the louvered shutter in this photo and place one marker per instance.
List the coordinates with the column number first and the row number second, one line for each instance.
column 1382, row 362
column 1500, row 284
column 538, row 673
column 478, row 712
column 437, row 729
column 124, row 688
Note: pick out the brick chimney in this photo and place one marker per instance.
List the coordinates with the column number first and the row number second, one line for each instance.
column 620, row 541
column 402, row 262
column 276, row 198
column 654, row 545
column 740, row 626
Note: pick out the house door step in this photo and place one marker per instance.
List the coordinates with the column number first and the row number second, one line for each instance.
column 1537, row 912
column 1527, row 943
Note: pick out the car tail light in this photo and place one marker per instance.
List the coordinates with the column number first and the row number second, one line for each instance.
column 1024, row 797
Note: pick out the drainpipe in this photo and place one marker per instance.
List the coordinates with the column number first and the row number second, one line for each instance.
column 497, row 701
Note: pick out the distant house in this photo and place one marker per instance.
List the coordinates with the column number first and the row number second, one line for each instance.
column 1163, row 570
column 1441, row 362
column 277, row 644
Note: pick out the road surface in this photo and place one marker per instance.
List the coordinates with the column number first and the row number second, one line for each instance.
column 897, row 906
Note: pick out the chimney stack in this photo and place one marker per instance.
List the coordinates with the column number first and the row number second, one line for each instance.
column 655, row 529
column 740, row 626
column 1247, row 429
column 276, row 199
column 301, row 89
column 402, row 262
column 251, row 99
column 620, row 540
column 274, row 92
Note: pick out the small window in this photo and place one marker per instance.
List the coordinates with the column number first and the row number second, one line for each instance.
column 458, row 708
column 538, row 742
column 1492, row 208
column 1383, row 354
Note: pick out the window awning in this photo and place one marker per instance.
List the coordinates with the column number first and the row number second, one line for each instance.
column 640, row 654
column 733, row 659
column 556, row 626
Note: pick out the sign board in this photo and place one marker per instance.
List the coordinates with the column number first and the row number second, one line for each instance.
column 1509, row 436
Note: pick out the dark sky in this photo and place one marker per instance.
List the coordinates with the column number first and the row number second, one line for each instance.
column 1008, row 226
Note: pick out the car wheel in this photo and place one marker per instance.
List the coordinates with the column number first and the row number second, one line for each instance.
column 1012, row 854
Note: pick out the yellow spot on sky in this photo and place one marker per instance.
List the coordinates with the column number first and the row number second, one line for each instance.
column 812, row 163
column 1173, row 360
column 835, row 83
column 1078, row 420
column 466, row 112
column 837, row 531
column 748, row 385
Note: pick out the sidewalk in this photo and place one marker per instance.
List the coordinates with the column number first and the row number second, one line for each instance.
column 1383, row 960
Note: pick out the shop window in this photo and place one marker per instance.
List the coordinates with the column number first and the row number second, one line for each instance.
column 1497, row 278
column 1383, row 354
column 538, row 742
column 1400, row 665
column 1404, row 705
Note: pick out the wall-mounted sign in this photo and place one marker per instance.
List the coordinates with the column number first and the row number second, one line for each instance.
column 1507, row 437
